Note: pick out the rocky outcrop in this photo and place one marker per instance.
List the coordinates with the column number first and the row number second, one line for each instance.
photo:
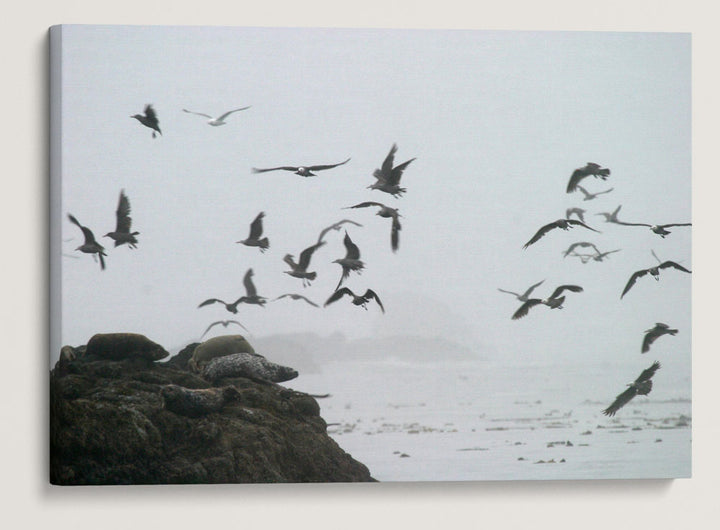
column 132, row 420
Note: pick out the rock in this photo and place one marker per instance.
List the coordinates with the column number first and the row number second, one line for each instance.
column 250, row 365
column 118, row 346
column 116, row 422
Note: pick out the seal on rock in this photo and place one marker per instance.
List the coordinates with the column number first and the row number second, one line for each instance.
column 197, row 402
column 218, row 347
column 249, row 365
column 118, row 346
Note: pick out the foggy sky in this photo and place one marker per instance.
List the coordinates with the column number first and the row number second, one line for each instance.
column 497, row 121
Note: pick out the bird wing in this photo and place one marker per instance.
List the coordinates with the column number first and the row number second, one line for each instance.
column 675, row 224
column 335, row 226
column 633, row 279
column 286, row 168
column 677, row 266
column 397, row 173
column 353, row 252
column 580, row 244
column 366, row 204
column 530, row 289
column 248, row 283
column 508, row 292
column 211, row 301
column 256, row 227
column 650, row 336
column 150, row 113
column 123, row 214
column 328, row 166
column 620, row 401
column 89, row 236
column 540, row 233
column 387, row 165
column 307, row 300
column 523, row 309
column 632, row 224
column 223, row 116
column 289, row 260
column 576, row 222
column 338, row 294
column 370, row 294
column 576, row 177
column 573, row 288
column 306, row 254
column 199, row 114
column 395, row 234
column 648, row 372
column 583, row 190
column 605, row 191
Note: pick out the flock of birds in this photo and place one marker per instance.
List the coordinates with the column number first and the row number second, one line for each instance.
column 387, row 180
column 643, row 384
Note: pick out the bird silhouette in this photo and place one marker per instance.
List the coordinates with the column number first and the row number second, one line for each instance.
column 653, row 333
column 149, row 119
column 299, row 270
column 356, row 300
column 388, row 177
column 387, row 212
column 215, row 122
column 303, row 171
column 122, row 233
column 565, row 224
column 611, row 217
column 251, row 296
column 657, row 229
column 579, row 212
column 256, row 229
column 524, row 296
column 590, row 196
column 652, row 271
column 90, row 246
column 294, row 296
column 351, row 261
column 590, row 168
column 554, row 301
column 224, row 323
column 584, row 244
column 335, row 226
column 641, row 386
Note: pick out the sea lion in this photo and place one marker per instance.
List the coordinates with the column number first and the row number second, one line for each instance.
column 196, row 402
column 250, row 365
column 118, row 346
column 218, row 347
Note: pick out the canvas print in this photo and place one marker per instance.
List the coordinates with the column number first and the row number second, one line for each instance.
column 356, row 255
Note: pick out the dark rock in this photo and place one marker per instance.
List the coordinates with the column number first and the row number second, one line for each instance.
column 117, row 346
column 110, row 424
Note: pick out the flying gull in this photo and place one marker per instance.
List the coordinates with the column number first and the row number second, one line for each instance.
column 294, row 296
column 351, row 261
column 122, row 232
column 387, row 212
column 590, row 196
column 224, row 323
column 583, row 244
column 554, row 301
column 653, row 271
column 149, row 119
column 611, row 217
column 356, row 300
column 658, row 229
column 388, row 177
column 335, row 226
column 565, row 224
column 299, row 270
column 590, row 169
column 303, row 171
column 256, row 229
column 653, row 333
column 251, row 296
column 579, row 212
column 524, row 296
column 641, row 386
column 215, row 122
column 90, row 246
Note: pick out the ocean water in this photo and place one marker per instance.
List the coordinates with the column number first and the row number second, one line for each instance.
column 480, row 420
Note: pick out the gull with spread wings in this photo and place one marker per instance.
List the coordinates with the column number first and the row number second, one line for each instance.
column 90, row 246
column 303, row 171
column 524, row 296
column 554, row 301
column 351, row 261
column 294, row 296
column 251, row 296
column 653, row 333
column 590, row 196
column 388, row 177
column 122, row 232
column 652, row 271
column 149, row 119
column 224, row 323
column 387, row 212
column 580, row 173
column 215, row 122
column 299, row 270
column 256, row 229
column 641, row 386
column 361, row 301
column 565, row 224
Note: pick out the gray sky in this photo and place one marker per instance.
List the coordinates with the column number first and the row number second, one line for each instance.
column 497, row 121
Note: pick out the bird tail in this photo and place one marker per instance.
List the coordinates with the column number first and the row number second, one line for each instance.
column 311, row 275
column 102, row 260
column 604, row 172
column 672, row 331
column 264, row 243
